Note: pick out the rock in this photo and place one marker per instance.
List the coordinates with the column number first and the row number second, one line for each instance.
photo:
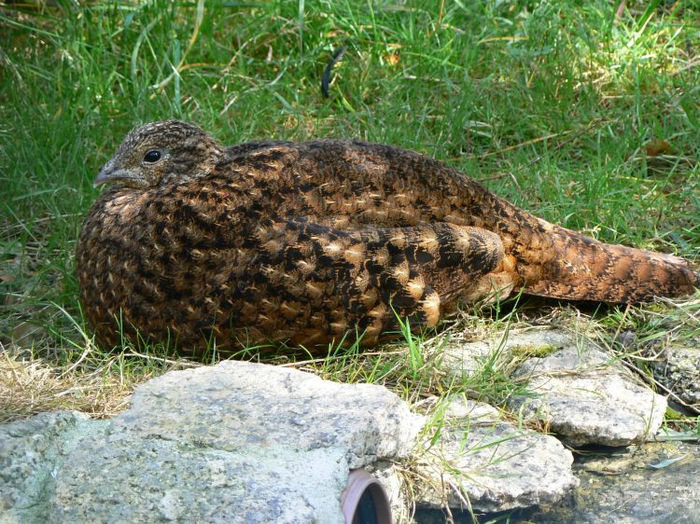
column 253, row 404
column 474, row 460
column 29, row 450
column 580, row 394
column 149, row 480
column 655, row 483
column 678, row 368
column 467, row 358
column 237, row 442
column 585, row 398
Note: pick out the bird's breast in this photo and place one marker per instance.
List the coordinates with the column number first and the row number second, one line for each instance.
column 121, row 208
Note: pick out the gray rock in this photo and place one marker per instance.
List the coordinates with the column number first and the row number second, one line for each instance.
column 236, row 404
column 655, row 483
column 475, row 460
column 678, row 368
column 467, row 358
column 122, row 478
column 586, row 398
column 29, row 451
column 237, row 442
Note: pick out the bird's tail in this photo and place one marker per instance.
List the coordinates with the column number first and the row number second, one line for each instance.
column 578, row 267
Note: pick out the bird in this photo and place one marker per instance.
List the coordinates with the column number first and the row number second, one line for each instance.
column 321, row 242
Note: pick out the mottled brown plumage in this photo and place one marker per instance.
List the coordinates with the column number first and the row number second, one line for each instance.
column 305, row 242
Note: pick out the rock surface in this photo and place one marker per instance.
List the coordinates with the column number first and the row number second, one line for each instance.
column 237, row 442
column 585, row 398
column 29, row 451
column 467, row 358
column 655, row 483
column 235, row 404
column 474, row 460
column 679, row 370
column 577, row 391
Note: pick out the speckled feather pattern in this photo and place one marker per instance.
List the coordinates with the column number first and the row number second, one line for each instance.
column 307, row 242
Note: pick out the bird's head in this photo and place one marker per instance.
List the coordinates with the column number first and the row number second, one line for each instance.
column 160, row 153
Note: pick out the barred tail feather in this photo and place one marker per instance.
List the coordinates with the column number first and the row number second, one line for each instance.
column 586, row 269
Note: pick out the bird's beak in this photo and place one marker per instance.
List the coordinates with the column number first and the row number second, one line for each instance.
column 101, row 178
column 105, row 175
column 120, row 177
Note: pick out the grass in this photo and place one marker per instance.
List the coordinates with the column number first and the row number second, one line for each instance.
column 582, row 113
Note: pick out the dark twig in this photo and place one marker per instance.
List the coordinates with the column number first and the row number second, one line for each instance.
column 326, row 78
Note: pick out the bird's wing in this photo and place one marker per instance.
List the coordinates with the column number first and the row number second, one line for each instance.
column 344, row 279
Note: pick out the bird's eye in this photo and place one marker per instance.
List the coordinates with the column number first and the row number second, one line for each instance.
column 152, row 156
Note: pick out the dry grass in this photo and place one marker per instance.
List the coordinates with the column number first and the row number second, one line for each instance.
column 30, row 384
